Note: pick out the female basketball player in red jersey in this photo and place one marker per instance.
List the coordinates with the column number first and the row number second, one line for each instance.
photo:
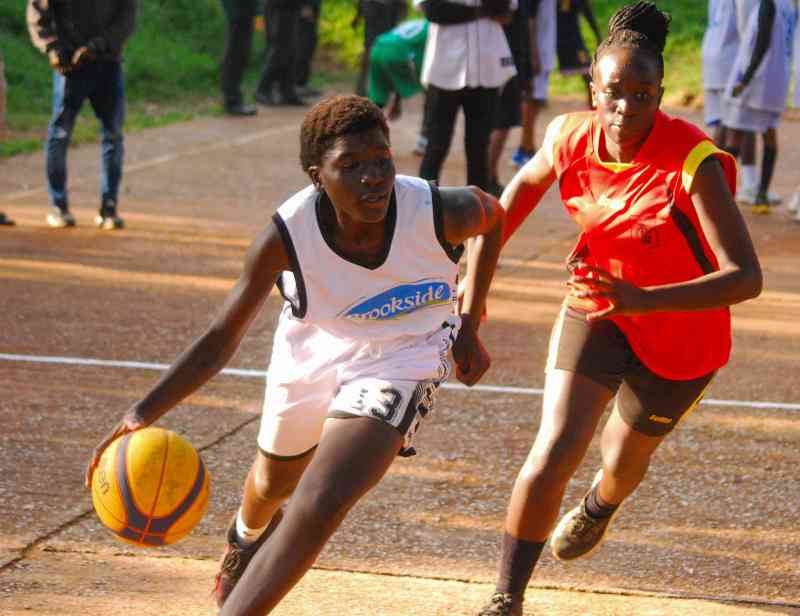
column 663, row 252
column 367, row 261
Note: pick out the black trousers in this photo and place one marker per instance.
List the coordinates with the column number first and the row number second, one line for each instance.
column 282, row 17
column 379, row 17
column 307, row 38
column 238, row 44
column 441, row 107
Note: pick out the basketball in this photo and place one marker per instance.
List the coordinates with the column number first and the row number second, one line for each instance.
column 151, row 487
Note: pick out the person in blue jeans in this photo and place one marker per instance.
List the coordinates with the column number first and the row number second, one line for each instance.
column 83, row 41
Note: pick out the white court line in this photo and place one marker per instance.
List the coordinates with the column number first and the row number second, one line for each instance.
column 165, row 158
column 260, row 374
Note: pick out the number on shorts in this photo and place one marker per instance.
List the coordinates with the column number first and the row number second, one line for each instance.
column 389, row 404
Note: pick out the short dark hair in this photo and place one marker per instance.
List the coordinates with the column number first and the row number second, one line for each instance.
column 640, row 25
column 332, row 118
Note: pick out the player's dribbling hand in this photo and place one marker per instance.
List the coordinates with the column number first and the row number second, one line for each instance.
column 599, row 294
column 471, row 358
column 130, row 422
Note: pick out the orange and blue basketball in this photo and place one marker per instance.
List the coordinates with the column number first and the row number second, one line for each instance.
column 151, row 487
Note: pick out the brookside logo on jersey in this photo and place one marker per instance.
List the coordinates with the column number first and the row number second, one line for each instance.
column 400, row 301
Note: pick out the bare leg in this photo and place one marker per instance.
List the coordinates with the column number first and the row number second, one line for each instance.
column 353, row 455
column 530, row 109
column 497, row 141
column 268, row 484
column 572, row 408
column 626, row 458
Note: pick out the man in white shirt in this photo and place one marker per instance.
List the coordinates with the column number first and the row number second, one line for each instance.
column 467, row 59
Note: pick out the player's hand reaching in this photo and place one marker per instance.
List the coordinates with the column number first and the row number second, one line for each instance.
column 471, row 358
column 130, row 422
column 599, row 294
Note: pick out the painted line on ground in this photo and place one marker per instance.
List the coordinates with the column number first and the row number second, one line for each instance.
column 163, row 159
column 261, row 374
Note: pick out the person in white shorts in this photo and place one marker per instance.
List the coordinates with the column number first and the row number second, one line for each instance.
column 720, row 46
column 755, row 96
column 794, row 202
column 367, row 262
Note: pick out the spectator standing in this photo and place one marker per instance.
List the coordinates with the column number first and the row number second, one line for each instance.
column 239, row 16
column 794, row 202
column 395, row 66
column 379, row 16
column 277, row 83
column 508, row 108
column 467, row 59
column 4, row 220
column 748, row 187
column 543, row 60
column 307, row 39
column 83, row 40
column 755, row 96
column 720, row 46
column 573, row 56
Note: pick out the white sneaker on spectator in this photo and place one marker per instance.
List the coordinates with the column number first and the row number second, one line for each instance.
column 794, row 202
column 748, row 194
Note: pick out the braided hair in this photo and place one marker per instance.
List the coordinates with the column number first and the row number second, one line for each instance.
column 640, row 25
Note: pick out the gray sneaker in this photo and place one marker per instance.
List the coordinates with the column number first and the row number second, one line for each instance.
column 58, row 218
column 502, row 604
column 579, row 534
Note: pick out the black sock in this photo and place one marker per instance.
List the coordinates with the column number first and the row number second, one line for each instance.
column 517, row 560
column 767, row 167
column 597, row 507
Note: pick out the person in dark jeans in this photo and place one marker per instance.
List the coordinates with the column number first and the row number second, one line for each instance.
column 83, row 40
column 277, row 83
column 379, row 16
column 307, row 38
column 239, row 15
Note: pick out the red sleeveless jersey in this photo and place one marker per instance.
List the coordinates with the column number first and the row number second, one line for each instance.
column 638, row 223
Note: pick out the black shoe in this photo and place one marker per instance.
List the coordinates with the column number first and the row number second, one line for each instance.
column 307, row 90
column 274, row 99
column 240, row 110
column 292, row 100
column 5, row 221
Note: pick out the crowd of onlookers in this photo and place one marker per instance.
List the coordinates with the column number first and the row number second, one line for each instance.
column 491, row 59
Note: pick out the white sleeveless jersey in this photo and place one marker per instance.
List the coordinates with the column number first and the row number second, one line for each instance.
column 339, row 309
column 769, row 87
column 720, row 44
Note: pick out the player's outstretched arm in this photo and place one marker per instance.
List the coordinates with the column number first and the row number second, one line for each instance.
column 526, row 189
column 471, row 214
column 266, row 259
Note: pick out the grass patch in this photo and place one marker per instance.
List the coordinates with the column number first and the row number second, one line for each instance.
column 172, row 64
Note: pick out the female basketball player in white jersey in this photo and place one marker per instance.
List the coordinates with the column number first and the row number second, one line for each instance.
column 367, row 262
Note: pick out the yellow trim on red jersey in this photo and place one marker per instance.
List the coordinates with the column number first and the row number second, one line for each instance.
column 699, row 153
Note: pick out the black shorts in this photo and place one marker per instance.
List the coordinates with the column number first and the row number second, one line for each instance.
column 507, row 112
column 598, row 350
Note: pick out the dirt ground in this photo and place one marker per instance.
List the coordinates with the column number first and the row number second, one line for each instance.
column 712, row 530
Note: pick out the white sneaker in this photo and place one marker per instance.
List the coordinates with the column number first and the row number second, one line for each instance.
column 748, row 195
column 794, row 202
